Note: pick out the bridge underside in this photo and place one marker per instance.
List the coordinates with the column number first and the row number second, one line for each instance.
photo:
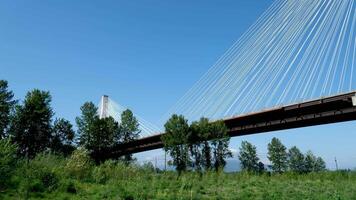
column 339, row 108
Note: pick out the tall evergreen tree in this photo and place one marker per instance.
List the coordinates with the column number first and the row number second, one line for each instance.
column 6, row 105
column 62, row 137
column 129, row 130
column 31, row 126
column 296, row 160
column 85, row 123
column 277, row 155
column 8, row 161
column 248, row 157
column 175, row 141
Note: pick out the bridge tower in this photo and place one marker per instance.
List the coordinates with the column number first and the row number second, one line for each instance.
column 104, row 106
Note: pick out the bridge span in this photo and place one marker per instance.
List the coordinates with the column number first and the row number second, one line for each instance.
column 333, row 109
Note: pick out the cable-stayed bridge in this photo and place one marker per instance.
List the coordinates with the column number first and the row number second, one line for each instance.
column 109, row 107
column 294, row 67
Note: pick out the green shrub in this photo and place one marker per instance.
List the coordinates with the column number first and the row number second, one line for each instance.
column 79, row 164
column 7, row 161
column 103, row 172
column 148, row 167
column 41, row 173
column 68, row 186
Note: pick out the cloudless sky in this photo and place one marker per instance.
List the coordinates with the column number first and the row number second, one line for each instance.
column 144, row 54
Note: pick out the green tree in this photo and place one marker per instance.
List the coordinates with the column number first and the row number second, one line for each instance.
column 6, row 105
column 79, row 164
column 206, row 155
column 85, row 123
column 309, row 161
column 319, row 165
column 248, row 157
column 296, row 160
column 129, row 130
column 175, row 141
column 199, row 130
column 277, row 155
column 97, row 135
column 7, row 161
column 31, row 126
column 62, row 137
column 313, row 163
column 103, row 138
column 261, row 167
column 220, row 144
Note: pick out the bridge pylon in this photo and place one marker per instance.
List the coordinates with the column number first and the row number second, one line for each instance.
column 104, row 106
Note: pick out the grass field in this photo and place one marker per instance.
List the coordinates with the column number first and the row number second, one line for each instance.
column 48, row 177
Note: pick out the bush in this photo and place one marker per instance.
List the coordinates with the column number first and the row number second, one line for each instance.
column 148, row 167
column 7, row 161
column 41, row 173
column 68, row 186
column 79, row 164
column 103, row 172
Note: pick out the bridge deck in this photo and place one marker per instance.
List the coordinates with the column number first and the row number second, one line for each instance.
column 338, row 108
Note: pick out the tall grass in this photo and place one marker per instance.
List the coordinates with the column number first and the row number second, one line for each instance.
column 50, row 176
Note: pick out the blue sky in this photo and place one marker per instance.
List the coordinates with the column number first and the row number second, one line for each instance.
column 144, row 54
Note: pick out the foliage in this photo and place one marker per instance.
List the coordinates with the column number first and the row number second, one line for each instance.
column 133, row 182
column 203, row 144
column 62, row 137
column 6, row 105
column 85, row 123
column 149, row 167
column 220, row 144
column 97, row 135
column 129, row 130
column 313, row 164
column 277, row 155
column 103, row 172
column 296, row 160
column 319, row 165
column 175, row 141
column 31, row 125
column 248, row 157
column 41, row 174
column 79, row 164
column 7, row 161
column 198, row 144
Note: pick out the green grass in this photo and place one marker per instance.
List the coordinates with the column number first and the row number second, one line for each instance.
column 54, row 177
column 326, row 185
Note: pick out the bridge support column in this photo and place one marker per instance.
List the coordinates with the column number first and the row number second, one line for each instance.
column 104, row 106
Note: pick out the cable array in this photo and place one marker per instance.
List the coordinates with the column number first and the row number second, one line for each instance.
column 115, row 110
column 296, row 51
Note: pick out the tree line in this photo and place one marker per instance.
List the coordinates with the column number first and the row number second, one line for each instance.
column 31, row 126
column 204, row 146
column 281, row 159
column 201, row 145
